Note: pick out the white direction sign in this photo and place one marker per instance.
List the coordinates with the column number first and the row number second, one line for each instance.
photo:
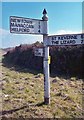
column 68, row 39
column 38, row 52
column 20, row 25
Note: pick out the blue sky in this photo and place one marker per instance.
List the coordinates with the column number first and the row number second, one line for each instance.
column 64, row 17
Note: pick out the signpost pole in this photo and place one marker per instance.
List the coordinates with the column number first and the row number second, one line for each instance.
column 45, row 62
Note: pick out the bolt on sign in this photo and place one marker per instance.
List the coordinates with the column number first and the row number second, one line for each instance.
column 20, row 25
column 69, row 39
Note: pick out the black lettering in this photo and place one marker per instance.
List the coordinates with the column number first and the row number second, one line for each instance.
column 73, row 41
column 39, row 26
column 73, row 37
column 39, row 53
column 18, row 20
column 31, row 26
column 62, row 42
column 26, row 21
column 68, row 42
column 25, row 30
column 39, row 31
column 65, row 37
column 54, row 38
column 28, row 30
column 16, row 25
column 12, row 29
column 12, row 24
column 58, row 38
column 13, row 20
column 61, row 37
column 82, row 41
column 82, row 36
column 55, row 42
column 68, row 37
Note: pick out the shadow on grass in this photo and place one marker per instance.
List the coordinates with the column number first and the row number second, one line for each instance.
column 17, row 68
column 12, row 110
column 17, row 109
column 25, row 69
column 32, row 71
column 40, row 104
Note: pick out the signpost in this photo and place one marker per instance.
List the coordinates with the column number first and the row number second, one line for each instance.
column 68, row 39
column 20, row 25
column 45, row 62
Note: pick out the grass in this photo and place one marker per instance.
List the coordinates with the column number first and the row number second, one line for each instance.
column 23, row 96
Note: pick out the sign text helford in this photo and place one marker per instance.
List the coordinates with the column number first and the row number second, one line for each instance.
column 20, row 25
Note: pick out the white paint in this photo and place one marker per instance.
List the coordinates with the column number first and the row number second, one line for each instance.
column 46, row 72
column 20, row 25
column 68, row 39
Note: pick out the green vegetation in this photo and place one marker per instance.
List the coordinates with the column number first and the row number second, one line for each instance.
column 64, row 60
column 23, row 95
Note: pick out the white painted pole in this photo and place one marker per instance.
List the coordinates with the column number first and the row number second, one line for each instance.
column 45, row 62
